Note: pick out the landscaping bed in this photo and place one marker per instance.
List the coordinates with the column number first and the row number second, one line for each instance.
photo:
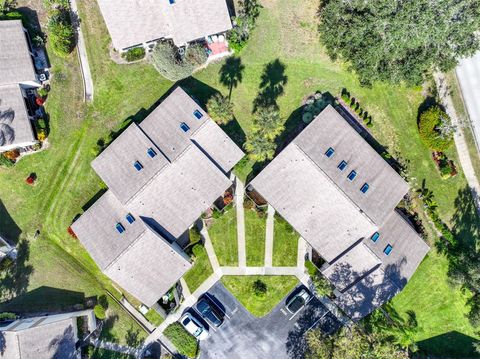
column 243, row 288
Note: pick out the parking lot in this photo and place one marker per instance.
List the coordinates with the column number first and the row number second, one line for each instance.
column 277, row 335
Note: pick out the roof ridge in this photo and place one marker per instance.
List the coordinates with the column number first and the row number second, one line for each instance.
column 336, row 186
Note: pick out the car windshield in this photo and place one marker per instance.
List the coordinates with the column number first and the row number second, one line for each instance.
column 186, row 321
column 296, row 304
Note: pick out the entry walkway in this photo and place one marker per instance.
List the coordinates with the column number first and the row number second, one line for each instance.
column 239, row 197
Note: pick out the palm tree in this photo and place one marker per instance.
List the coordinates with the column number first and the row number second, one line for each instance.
column 220, row 109
column 259, row 147
column 267, row 121
column 231, row 73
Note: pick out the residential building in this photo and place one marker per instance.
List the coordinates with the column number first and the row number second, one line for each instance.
column 45, row 337
column 17, row 77
column 133, row 23
column 341, row 197
column 162, row 175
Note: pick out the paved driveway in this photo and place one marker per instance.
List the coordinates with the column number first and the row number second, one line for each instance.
column 278, row 335
column 468, row 74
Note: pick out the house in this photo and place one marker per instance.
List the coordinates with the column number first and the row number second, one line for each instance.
column 45, row 337
column 133, row 23
column 17, row 78
column 341, row 197
column 162, row 174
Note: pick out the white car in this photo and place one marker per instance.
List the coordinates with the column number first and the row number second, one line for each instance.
column 194, row 327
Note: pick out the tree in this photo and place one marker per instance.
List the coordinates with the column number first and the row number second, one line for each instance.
column 268, row 122
column 220, row 109
column 60, row 31
column 431, row 127
column 395, row 40
column 99, row 312
column 7, row 6
column 259, row 147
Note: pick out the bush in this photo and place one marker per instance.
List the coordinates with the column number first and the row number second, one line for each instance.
column 259, row 288
column 244, row 23
column 5, row 264
column 7, row 316
column 430, row 126
column 171, row 65
column 220, row 109
column 134, row 54
column 185, row 343
column 99, row 312
column 60, row 32
column 322, row 285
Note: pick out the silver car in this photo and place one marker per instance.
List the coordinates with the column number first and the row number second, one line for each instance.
column 298, row 301
column 193, row 326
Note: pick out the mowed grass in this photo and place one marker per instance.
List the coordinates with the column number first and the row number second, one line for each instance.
column 201, row 270
column 242, row 288
column 285, row 244
column 223, row 233
column 255, row 231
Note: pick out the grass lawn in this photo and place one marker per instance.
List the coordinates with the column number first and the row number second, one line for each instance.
column 154, row 318
column 255, row 230
column 201, row 270
column 97, row 353
column 285, row 243
column 242, row 288
column 185, row 343
column 223, row 233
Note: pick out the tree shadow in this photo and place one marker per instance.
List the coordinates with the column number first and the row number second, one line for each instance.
column 132, row 338
column 64, row 344
column 107, row 328
column 231, row 73
column 452, row 344
column 45, row 299
column 272, row 85
column 8, row 227
column 15, row 278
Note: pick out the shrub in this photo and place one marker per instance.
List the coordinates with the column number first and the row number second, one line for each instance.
column 4, row 265
column 171, row 65
column 244, row 23
column 194, row 234
column 259, row 288
column 99, row 312
column 134, row 54
column 7, row 316
column 429, row 128
column 41, row 134
column 42, row 92
column 60, row 32
column 307, row 117
column 220, row 109
column 185, row 343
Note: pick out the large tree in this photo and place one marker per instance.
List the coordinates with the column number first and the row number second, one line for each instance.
column 398, row 40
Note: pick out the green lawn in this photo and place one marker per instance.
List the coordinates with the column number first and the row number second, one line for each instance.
column 223, row 234
column 185, row 343
column 285, row 244
column 242, row 288
column 201, row 270
column 255, row 230
column 154, row 318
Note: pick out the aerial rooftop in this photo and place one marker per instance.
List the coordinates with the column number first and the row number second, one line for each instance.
column 162, row 175
column 340, row 196
column 133, row 22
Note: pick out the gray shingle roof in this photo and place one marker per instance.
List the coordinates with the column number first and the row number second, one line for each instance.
column 296, row 187
column 149, row 268
column 132, row 22
column 15, row 126
column 387, row 188
column 53, row 340
column 16, row 63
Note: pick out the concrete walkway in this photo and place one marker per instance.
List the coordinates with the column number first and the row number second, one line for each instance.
column 82, row 55
column 269, row 237
column 302, row 251
column 461, row 145
column 212, row 256
column 239, row 196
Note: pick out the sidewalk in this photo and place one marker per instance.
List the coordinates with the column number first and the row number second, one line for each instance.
column 239, row 196
column 269, row 237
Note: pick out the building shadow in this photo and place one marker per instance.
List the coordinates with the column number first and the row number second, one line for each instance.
column 8, row 227
column 45, row 300
column 451, row 344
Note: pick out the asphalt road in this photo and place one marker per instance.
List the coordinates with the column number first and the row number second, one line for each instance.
column 278, row 335
column 468, row 74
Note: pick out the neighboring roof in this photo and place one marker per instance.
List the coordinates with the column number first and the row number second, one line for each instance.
column 149, row 268
column 162, row 126
column 115, row 165
column 16, row 63
column 367, row 295
column 133, row 22
column 298, row 189
column 97, row 232
column 386, row 187
column 53, row 340
column 352, row 266
column 15, row 126
column 217, row 145
column 180, row 193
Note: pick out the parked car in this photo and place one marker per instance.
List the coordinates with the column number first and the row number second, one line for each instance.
column 194, row 327
column 298, row 301
column 209, row 310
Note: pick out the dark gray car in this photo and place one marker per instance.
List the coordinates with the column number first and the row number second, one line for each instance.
column 209, row 310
